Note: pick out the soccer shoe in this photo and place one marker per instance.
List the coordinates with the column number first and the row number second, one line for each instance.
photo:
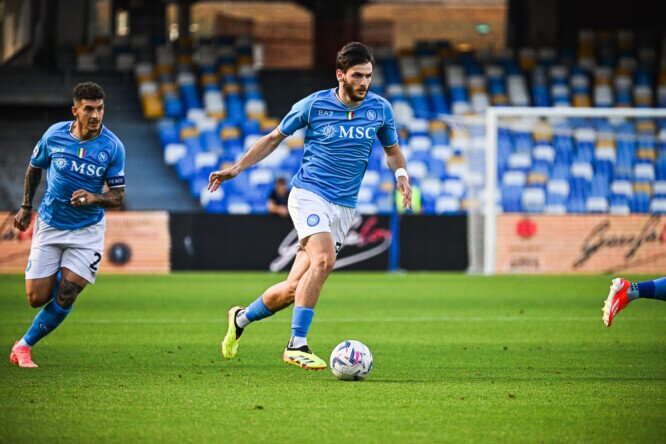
column 230, row 341
column 21, row 356
column 304, row 358
column 617, row 299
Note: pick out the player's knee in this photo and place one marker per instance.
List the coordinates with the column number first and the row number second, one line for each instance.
column 68, row 294
column 35, row 299
column 323, row 262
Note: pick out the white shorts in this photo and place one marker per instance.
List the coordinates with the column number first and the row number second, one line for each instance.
column 77, row 250
column 312, row 214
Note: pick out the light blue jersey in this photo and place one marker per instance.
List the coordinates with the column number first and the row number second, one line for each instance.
column 72, row 165
column 338, row 141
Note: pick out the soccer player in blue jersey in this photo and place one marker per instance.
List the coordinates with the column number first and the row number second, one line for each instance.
column 341, row 125
column 68, row 238
column 622, row 292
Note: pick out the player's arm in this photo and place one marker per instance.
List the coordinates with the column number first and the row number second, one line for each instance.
column 33, row 177
column 396, row 162
column 259, row 151
column 111, row 199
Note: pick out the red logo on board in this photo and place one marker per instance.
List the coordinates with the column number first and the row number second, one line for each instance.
column 526, row 228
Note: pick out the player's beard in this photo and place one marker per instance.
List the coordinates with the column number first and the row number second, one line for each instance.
column 351, row 93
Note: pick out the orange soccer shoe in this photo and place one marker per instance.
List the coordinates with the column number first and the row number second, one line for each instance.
column 617, row 299
column 21, row 356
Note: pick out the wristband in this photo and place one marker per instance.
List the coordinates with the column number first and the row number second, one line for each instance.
column 401, row 172
column 27, row 207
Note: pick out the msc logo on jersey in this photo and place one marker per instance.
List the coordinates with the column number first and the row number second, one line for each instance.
column 60, row 163
column 328, row 131
column 87, row 169
column 357, row 132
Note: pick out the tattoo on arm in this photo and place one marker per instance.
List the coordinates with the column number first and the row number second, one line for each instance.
column 32, row 178
column 111, row 199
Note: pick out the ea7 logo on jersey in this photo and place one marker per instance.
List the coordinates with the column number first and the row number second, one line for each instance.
column 357, row 132
column 87, row 169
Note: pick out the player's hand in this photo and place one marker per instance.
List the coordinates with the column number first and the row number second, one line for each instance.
column 22, row 219
column 217, row 177
column 406, row 191
column 81, row 198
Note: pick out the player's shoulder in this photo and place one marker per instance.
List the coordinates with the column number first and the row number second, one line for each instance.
column 58, row 127
column 112, row 140
column 374, row 98
column 324, row 94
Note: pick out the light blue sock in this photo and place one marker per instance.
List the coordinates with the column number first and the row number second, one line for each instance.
column 45, row 322
column 300, row 324
column 655, row 289
column 257, row 310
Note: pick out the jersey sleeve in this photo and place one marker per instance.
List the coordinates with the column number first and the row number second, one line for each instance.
column 387, row 134
column 115, row 175
column 41, row 157
column 297, row 118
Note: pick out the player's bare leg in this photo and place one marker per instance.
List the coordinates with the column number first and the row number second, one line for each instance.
column 274, row 299
column 282, row 294
column 321, row 252
column 51, row 315
column 320, row 248
column 40, row 291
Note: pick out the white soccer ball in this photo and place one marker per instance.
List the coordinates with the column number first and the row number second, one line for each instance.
column 351, row 361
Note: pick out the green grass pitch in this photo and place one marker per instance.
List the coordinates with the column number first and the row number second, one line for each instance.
column 457, row 358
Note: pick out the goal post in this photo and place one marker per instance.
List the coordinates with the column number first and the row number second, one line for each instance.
column 493, row 121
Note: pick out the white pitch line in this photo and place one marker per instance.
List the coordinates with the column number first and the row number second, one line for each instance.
column 351, row 320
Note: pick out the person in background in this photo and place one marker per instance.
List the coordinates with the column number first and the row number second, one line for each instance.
column 277, row 201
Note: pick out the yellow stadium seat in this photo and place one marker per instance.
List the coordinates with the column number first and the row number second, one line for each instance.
column 163, row 69
column 208, row 79
column 230, row 132
column 268, row 123
column 643, row 187
column 226, row 70
column 231, row 88
column 386, row 186
column 152, row 106
column 581, row 100
column 188, row 132
column 145, row 77
column 536, row 179
column 646, row 154
column 217, row 115
column 166, row 88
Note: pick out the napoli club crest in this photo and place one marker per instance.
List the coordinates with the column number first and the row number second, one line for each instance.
column 371, row 114
column 103, row 156
column 313, row 220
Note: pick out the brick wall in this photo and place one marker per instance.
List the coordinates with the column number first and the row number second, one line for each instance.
column 441, row 22
column 286, row 29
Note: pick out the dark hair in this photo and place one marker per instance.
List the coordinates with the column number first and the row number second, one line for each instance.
column 352, row 54
column 87, row 91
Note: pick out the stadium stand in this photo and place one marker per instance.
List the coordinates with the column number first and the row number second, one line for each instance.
column 209, row 107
